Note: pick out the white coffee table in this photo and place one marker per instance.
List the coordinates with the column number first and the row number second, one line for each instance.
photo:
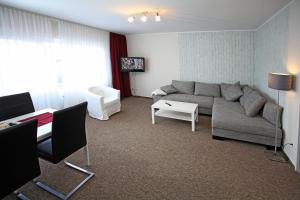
column 176, row 110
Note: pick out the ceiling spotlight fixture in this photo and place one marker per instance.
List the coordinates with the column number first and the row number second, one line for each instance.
column 144, row 18
column 157, row 17
column 130, row 19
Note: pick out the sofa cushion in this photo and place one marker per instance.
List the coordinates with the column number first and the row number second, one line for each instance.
column 270, row 112
column 246, row 91
column 184, row 87
column 254, row 103
column 224, row 86
column 238, row 120
column 169, row 89
column 233, row 92
column 202, row 101
column 207, row 89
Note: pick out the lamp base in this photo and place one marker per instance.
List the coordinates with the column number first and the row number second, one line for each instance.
column 276, row 157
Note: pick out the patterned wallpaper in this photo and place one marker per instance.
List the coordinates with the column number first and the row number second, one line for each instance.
column 217, row 57
column 271, row 50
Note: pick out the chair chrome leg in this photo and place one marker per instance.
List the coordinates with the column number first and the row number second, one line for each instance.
column 67, row 196
column 21, row 196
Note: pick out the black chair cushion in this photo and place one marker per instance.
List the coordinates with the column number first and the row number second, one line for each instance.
column 45, row 149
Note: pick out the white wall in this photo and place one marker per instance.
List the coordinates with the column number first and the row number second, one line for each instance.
column 225, row 56
column 161, row 57
column 293, row 66
column 277, row 50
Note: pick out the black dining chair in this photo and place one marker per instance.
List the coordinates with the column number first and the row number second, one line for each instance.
column 19, row 157
column 15, row 105
column 68, row 136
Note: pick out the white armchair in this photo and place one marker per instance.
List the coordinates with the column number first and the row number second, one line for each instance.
column 103, row 102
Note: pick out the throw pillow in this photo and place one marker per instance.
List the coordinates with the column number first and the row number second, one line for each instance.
column 270, row 113
column 224, row 86
column 169, row 89
column 158, row 92
column 233, row 93
column 207, row 89
column 246, row 90
column 254, row 103
column 184, row 87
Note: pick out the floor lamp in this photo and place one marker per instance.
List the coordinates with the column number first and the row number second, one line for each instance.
column 279, row 82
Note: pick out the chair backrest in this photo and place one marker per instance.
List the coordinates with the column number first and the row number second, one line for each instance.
column 19, row 157
column 15, row 105
column 68, row 131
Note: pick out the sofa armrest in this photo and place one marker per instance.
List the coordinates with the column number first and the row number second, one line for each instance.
column 158, row 92
column 157, row 97
column 109, row 92
column 95, row 102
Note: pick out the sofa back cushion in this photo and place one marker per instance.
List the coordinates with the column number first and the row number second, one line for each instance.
column 184, row 87
column 246, row 91
column 254, row 103
column 207, row 89
column 224, row 86
column 233, row 92
column 270, row 113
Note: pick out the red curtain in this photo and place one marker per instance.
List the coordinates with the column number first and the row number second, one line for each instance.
column 118, row 49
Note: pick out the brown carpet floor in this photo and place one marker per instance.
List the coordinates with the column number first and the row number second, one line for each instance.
column 134, row 159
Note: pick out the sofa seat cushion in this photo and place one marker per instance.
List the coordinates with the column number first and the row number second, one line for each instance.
column 202, row 101
column 231, row 116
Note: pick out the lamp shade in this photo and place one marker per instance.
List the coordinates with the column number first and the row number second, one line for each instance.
column 279, row 81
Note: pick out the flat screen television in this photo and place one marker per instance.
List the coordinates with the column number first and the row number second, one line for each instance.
column 132, row 64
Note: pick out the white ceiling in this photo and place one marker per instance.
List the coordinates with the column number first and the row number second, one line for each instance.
column 177, row 15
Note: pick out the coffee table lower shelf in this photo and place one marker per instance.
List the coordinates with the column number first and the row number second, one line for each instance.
column 173, row 115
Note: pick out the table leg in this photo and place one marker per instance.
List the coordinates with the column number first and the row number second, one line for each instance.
column 87, row 153
column 193, row 121
column 153, row 115
column 197, row 115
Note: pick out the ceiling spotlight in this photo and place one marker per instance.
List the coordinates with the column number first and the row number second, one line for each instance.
column 130, row 19
column 144, row 18
column 157, row 17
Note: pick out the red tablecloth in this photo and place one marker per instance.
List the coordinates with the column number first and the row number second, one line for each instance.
column 43, row 118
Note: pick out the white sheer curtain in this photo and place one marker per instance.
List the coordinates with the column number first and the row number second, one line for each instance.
column 27, row 62
column 55, row 71
column 82, row 51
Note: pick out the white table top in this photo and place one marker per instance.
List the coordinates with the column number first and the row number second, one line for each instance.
column 175, row 106
column 44, row 131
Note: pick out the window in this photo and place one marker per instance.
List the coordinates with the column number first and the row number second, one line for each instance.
column 55, row 62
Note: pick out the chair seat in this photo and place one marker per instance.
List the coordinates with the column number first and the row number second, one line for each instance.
column 110, row 101
column 45, row 149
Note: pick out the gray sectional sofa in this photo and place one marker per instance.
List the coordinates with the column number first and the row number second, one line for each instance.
column 238, row 112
